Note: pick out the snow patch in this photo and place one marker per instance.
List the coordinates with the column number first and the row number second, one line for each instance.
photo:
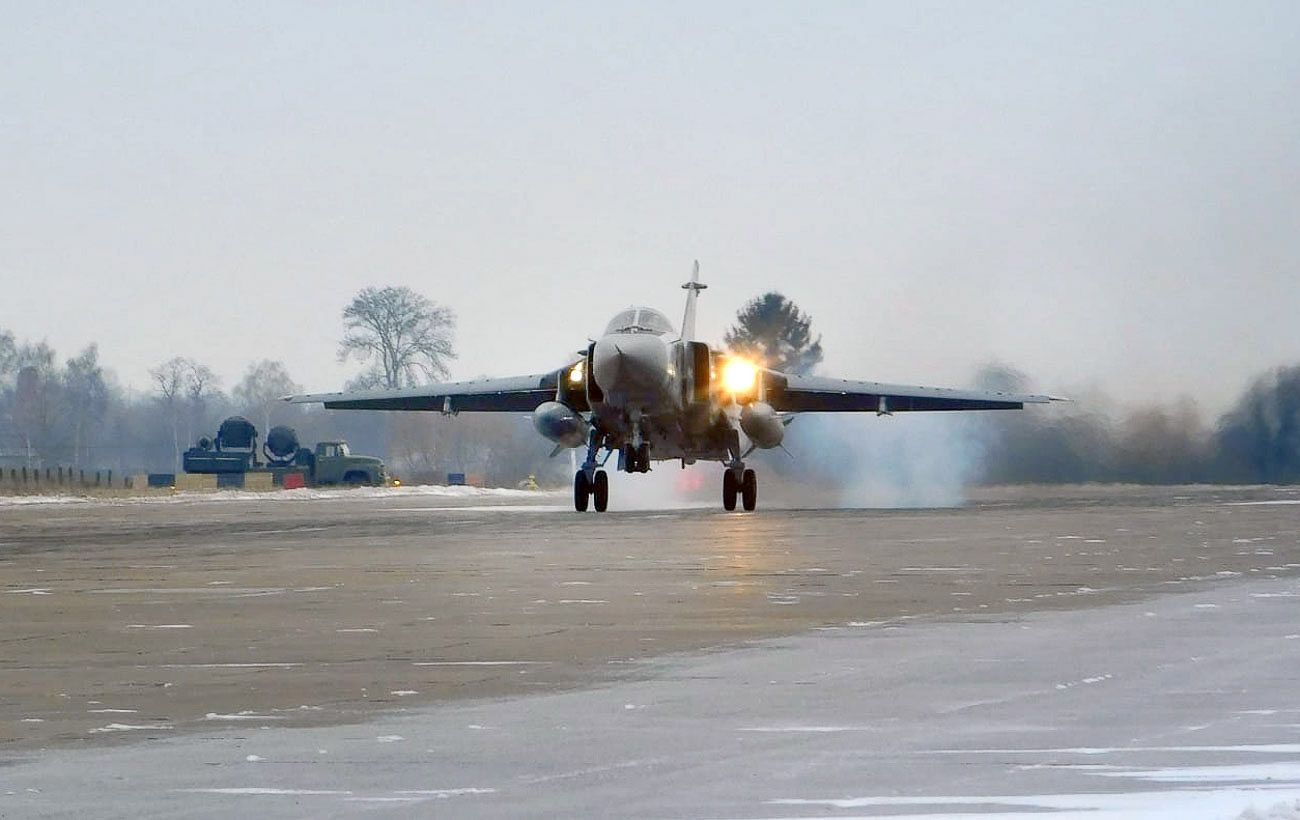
column 480, row 663
column 257, row 790
column 1289, row 810
column 127, row 727
column 805, row 729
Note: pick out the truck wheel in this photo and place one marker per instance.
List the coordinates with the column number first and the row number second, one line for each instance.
column 356, row 479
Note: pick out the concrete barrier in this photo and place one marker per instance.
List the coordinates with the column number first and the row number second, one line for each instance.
column 196, row 482
column 258, row 481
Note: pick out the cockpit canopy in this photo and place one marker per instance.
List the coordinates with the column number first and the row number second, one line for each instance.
column 640, row 320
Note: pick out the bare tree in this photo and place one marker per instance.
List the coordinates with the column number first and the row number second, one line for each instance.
column 169, row 378
column 37, row 400
column 184, row 385
column 8, row 354
column 87, row 396
column 403, row 337
column 201, row 384
column 258, row 393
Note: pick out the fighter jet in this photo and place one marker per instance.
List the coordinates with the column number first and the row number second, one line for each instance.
column 648, row 393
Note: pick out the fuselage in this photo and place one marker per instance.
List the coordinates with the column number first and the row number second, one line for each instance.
column 644, row 376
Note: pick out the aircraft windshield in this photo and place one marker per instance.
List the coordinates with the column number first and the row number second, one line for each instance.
column 640, row 320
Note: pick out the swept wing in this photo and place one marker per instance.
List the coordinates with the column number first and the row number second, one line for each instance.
column 818, row 394
column 514, row 394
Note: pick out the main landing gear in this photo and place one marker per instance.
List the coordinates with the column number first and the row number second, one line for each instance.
column 595, row 489
column 741, row 482
column 591, row 483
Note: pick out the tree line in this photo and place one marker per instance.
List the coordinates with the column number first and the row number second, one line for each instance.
column 74, row 412
column 1257, row 441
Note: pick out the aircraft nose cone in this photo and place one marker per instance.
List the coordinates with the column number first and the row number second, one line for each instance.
column 630, row 363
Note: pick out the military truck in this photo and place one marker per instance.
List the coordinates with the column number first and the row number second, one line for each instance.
column 234, row 453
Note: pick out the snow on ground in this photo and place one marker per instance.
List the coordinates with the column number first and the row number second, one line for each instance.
column 1289, row 810
column 1210, row 803
column 304, row 494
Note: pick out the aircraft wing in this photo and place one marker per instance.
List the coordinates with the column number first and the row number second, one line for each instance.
column 515, row 394
column 818, row 394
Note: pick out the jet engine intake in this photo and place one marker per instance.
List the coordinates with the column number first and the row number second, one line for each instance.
column 560, row 423
column 762, row 424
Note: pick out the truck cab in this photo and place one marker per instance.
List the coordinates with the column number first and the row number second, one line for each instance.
column 335, row 464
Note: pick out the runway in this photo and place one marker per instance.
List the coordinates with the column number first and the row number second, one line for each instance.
column 1110, row 652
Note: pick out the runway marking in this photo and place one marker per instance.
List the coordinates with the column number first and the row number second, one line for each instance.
column 159, row 626
column 241, row 716
column 37, row 591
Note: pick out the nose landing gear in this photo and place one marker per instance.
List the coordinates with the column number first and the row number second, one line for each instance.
column 635, row 459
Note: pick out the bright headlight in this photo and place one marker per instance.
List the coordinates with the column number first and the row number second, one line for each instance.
column 739, row 376
column 576, row 373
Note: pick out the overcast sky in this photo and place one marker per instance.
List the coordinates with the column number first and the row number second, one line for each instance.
column 1100, row 194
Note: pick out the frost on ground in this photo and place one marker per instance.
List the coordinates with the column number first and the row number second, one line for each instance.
column 304, row 494
column 1279, row 811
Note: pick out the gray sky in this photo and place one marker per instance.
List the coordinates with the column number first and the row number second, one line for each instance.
column 1101, row 194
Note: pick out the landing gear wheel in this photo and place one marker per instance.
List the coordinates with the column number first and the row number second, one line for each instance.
column 600, row 491
column 749, row 491
column 643, row 458
column 729, row 490
column 581, row 491
column 629, row 458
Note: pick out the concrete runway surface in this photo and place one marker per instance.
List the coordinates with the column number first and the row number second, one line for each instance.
column 1098, row 652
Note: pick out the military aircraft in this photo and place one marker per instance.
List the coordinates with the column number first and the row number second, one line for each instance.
column 648, row 393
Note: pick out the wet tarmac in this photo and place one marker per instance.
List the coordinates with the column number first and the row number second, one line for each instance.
column 395, row 652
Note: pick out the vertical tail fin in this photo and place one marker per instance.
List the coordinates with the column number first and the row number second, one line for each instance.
column 688, row 319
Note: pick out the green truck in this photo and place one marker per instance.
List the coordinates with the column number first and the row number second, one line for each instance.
column 233, row 454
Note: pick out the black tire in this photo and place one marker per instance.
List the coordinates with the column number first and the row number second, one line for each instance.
column 581, row 491
column 629, row 458
column 728, row 490
column 749, row 491
column 356, row 479
column 643, row 458
column 600, row 491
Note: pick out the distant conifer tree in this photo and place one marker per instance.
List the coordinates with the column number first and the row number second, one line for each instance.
column 775, row 331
